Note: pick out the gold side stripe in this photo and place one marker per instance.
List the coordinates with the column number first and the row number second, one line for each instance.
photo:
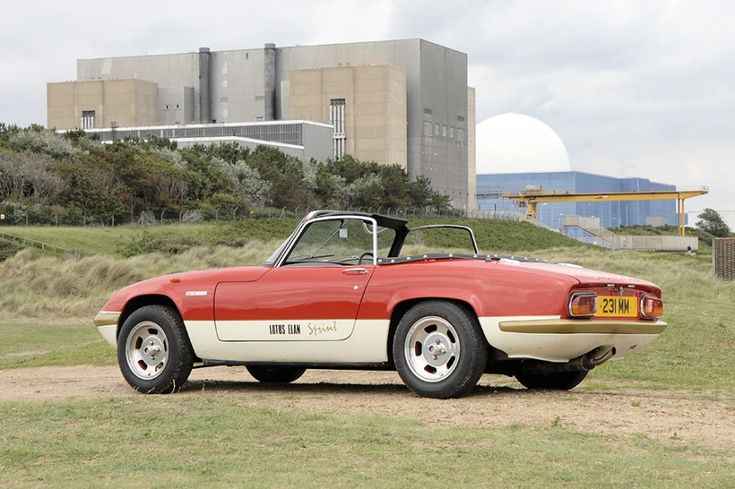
column 567, row 326
column 105, row 318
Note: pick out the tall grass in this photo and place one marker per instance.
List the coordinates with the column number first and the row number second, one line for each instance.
column 44, row 287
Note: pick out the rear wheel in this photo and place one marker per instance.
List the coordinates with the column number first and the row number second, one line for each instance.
column 279, row 374
column 153, row 351
column 562, row 381
column 439, row 350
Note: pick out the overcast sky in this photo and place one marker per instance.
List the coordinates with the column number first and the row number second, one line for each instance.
column 633, row 88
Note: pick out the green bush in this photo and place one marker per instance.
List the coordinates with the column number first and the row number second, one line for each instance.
column 46, row 178
column 8, row 249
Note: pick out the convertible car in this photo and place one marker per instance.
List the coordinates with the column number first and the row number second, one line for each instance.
column 365, row 291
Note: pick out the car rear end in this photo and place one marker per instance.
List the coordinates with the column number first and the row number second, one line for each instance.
column 604, row 316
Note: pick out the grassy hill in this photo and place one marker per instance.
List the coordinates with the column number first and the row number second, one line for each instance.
column 130, row 240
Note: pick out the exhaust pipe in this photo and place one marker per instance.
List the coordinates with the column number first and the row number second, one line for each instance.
column 594, row 358
column 585, row 363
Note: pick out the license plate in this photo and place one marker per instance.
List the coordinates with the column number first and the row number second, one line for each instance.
column 616, row 306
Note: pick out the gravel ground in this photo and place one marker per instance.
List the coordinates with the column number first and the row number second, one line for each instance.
column 662, row 415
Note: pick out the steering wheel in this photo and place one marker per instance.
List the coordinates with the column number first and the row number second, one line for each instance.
column 367, row 253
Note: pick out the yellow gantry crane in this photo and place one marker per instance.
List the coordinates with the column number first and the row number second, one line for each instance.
column 531, row 199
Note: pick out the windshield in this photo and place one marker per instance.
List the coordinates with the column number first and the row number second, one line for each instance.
column 272, row 259
column 340, row 241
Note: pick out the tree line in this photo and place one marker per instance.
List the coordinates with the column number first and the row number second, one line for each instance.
column 66, row 179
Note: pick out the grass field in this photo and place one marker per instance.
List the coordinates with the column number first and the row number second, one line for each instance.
column 210, row 440
column 49, row 344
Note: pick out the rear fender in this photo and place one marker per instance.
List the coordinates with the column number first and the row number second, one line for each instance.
column 435, row 293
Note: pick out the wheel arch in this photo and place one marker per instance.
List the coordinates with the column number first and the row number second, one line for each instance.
column 402, row 307
column 137, row 302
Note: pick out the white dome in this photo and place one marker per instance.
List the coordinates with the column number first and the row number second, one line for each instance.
column 517, row 143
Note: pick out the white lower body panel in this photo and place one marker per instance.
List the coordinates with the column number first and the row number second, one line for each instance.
column 558, row 347
column 367, row 343
column 109, row 333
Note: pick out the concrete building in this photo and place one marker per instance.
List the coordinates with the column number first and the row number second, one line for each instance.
column 490, row 188
column 302, row 139
column 402, row 101
column 102, row 103
column 366, row 102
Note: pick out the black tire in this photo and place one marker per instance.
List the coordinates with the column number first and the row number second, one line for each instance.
column 562, row 381
column 146, row 329
column 461, row 356
column 277, row 374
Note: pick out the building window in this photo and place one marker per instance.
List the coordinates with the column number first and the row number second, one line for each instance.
column 427, row 111
column 88, row 119
column 436, row 130
column 337, row 119
column 444, row 130
column 451, row 132
column 427, row 129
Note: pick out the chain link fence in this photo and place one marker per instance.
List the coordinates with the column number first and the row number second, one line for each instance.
column 723, row 258
column 55, row 216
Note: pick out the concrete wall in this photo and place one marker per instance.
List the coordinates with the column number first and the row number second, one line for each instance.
column 317, row 142
column 176, row 105
column 290, row 150
column 238, row 86
column 166, row 70
column 118, row 102
column 471, row 150
column 444, row 93
column 375, row 107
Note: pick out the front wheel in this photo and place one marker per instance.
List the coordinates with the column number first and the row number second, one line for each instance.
column 153, row 351
column 279, row 374
column 561, row 381
column 439, row 350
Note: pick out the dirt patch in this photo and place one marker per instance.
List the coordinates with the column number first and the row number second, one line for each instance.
column 674, row 416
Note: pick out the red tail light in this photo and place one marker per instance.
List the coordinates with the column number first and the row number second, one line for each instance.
column 651, row 307
column 582, row 304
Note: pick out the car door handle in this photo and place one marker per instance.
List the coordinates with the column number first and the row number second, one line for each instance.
column 355, row 271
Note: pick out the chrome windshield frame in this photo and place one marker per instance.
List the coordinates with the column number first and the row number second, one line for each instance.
column 332, row 217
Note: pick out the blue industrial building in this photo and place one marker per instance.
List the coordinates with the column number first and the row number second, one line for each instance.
column 490, row 189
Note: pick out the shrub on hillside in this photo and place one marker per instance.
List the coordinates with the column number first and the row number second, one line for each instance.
column 8, row 249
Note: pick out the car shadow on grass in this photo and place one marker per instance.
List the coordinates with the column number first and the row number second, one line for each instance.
column 325, row 388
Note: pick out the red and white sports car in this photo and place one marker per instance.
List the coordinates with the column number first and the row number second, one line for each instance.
column 348, row 291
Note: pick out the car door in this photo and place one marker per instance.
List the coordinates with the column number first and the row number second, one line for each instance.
column 313, row 294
